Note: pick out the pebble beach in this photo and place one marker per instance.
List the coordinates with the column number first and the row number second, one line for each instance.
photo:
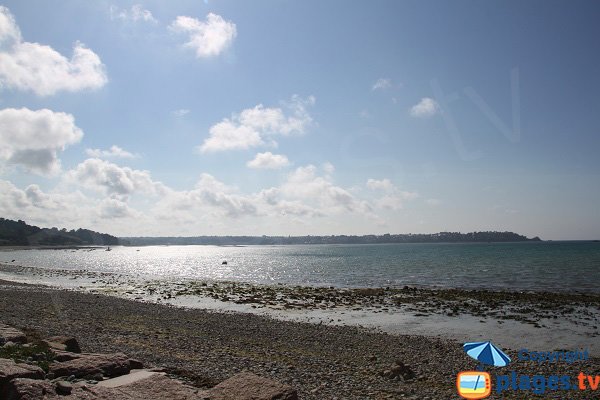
column 321, row 361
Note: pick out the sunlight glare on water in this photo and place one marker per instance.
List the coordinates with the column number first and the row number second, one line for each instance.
column 516, row 266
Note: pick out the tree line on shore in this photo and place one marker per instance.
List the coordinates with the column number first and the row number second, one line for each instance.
column 19, row 233
column 442, row 237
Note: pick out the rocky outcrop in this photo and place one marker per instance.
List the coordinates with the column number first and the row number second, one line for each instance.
column 157, row 387
column 27, row 389
column 83, row 376
column 63, row 343
column 90, row 364
column 248, row 386
column 10, row 370
column 62, row 356
column 154, row 388
column 10, row 334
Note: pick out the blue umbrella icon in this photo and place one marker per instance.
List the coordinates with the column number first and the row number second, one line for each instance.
column 487, row 353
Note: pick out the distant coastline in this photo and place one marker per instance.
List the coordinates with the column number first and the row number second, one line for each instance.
column 19, row 233
column 442, row 237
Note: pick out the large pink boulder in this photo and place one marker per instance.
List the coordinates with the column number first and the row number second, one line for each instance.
column 90, row 364
column 10, row 370
column 248, row 386
column 157, row 387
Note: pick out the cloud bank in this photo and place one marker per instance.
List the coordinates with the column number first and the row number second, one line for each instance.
column 32, row 139
column 41, row 69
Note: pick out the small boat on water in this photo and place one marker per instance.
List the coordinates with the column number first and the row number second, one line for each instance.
column 224, row 262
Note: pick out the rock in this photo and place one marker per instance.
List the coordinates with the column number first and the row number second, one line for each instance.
column 135, row 364
column 89, row 364
column 10, row 370
column 397, row 370
column 10, row 334
column 64, row 343
column 64, row 387
column 248, row 386
column 385, row 373
column 26, row 389
column 155, row 387
column 128, row 379
column 62, row 356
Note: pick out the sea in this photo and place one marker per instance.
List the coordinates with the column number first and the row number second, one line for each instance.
column 557, row 266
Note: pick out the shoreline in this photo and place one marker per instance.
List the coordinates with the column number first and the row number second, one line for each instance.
column 321, row 361
column 514, row 319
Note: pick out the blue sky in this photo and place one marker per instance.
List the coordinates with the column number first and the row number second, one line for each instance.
column 301, row 117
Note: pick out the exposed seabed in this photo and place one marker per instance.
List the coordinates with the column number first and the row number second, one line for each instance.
column 537, row 321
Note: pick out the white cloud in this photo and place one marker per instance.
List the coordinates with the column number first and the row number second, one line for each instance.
column 9, row 31
column 393, row 198
column 114, row 180
column 41, row 69
column 114, row 208
column 207, row 38
column 303, row 194
column 49, row 209
column 391, row 202
column 296, row 208
column 268, row 160
column 216, row 194
column 383, row 184
column 210, row 207
column 181, row 112
column 249, row 128
column 382, row 84
column 33, row 139
column 426, row 108
column 113, row 152
column 67, row 209
column 433, row 202
column 328, row 168
column 135, row 14
column 209, row 194
column 304, row 184
column 227, row 135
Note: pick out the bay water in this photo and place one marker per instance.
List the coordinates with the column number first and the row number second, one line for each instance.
column 549, row 266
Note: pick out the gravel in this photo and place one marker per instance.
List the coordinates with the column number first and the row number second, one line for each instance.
column 322, row 362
